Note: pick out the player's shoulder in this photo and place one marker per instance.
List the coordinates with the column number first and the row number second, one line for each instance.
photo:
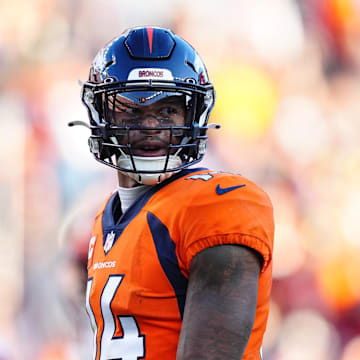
column 210, row 182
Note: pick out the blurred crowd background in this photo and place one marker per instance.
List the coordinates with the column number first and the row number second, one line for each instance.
column 287, row 75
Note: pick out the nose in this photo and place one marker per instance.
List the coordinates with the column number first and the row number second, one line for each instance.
column 150, row 120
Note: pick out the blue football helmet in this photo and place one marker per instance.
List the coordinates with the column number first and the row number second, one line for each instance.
column 141, row 67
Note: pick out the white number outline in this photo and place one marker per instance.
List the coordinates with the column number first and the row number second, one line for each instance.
column 131, row 344
column 91, row 316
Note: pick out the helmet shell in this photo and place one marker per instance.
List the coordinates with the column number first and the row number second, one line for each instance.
column 148, row 48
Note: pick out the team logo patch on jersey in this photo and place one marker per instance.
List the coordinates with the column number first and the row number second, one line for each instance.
column 204, row 177
column 109, row 241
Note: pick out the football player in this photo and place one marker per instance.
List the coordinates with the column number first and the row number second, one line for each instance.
column 180, row 258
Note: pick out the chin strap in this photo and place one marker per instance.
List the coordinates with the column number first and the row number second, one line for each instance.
column 150, row 179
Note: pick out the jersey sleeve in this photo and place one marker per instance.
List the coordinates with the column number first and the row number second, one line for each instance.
column 242, row 216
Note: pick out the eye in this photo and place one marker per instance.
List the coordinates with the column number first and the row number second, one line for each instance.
column 168, row 111
column 127, row 109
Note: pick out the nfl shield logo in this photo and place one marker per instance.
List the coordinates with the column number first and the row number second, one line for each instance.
column 109, row 241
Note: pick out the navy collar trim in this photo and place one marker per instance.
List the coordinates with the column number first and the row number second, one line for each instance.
column 108, row 223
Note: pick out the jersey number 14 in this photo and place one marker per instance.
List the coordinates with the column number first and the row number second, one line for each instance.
column 129, row 346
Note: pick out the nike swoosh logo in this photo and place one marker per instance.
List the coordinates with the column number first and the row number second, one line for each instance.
column 222, row 191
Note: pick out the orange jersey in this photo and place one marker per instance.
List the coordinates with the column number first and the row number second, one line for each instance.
column 138, row 268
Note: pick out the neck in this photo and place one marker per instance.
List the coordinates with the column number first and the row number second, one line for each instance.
column 128, row 196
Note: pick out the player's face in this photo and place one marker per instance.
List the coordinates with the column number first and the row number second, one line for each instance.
column 167, row 112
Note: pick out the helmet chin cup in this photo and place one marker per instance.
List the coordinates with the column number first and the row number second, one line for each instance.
column 149, row 179
column 144, row 165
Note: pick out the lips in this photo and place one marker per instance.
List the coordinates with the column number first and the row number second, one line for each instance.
column 149, row 148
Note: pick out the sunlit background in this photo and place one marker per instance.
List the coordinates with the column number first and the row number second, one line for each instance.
column 287, row 75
